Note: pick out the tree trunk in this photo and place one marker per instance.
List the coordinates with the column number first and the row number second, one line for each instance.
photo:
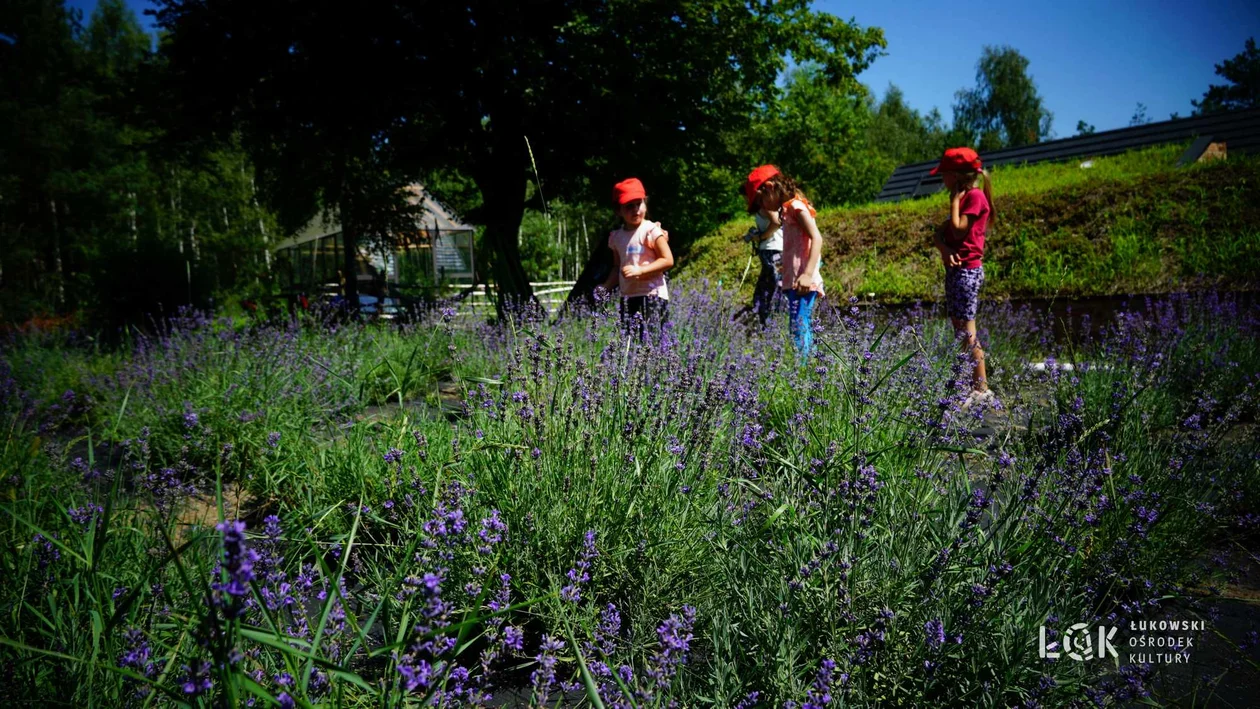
column 56, row 246
column 350, row 253
column 503, row 191
column 262, row 229
column 135, row 232
column 593, row 274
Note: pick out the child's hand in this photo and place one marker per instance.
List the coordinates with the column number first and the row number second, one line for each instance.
column 949, row 257
column 804, row 283
column 631, row 271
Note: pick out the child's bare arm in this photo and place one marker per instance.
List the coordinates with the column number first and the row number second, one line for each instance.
column 805, row 281
column 960, row 222
column 949, row 257
column 664, row 259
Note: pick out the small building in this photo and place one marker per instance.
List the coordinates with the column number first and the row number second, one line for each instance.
column 439, row 252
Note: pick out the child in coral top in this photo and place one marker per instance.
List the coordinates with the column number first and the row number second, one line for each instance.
column 802, row 250
column 641, row 255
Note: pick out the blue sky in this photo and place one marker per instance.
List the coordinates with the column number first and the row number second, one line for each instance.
column 1092, row 60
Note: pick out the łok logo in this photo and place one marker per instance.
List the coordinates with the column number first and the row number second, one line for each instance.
column 1078, row 643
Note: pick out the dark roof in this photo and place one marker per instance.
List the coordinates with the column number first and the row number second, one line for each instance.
column 1240, row 130
column 437, row 218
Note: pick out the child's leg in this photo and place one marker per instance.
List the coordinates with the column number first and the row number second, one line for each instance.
column 800, row 321
column 966, row 332
column 763, row 296
column 794, row 315
column 656, row 311
column 962, row 299
column 630, row 307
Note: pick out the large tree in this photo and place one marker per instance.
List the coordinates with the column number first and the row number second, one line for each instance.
column 1004, row 109
column 817, row 133
column 322, row 96
column 41, row 96
column 598, row 89
column 901, row 134
column 1243, row 90
column 606, row 89
column 99, row 213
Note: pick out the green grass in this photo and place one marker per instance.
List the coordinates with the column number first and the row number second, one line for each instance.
column 1132, row 223
column 797, row 510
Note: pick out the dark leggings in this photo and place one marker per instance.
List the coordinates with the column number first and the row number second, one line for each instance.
column 651, row 310
column 767, row 283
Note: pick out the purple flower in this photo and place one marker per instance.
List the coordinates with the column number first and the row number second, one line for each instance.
column 935, row 630
column 491, row 533
column 819, row 694
column 85, row 514
column 271, row 527
column 45, row 551
column 138, row 655
column 675, row 642
column 579, row 575
column 197, row 678
column 238, row 564
column 544, row 678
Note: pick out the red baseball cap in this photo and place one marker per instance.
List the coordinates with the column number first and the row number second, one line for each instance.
column 628, row 191
column 958, row 160
column 756, row 179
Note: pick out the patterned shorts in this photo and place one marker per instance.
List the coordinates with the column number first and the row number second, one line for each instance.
column 962, row 291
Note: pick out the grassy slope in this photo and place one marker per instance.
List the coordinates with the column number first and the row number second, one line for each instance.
column 1133, row 223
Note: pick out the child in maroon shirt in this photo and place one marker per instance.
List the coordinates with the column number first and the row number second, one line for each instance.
column 960, row 240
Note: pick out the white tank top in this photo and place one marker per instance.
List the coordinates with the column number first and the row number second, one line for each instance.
column 775, row 242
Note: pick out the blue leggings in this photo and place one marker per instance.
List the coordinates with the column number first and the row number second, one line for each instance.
column 800, row 320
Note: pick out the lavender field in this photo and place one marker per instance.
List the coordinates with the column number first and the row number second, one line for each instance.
column 231, row 513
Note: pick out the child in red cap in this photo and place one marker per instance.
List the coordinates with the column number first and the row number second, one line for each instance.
column 960, row 240
column 767, row 239
column 641, row 256
column 802, row 249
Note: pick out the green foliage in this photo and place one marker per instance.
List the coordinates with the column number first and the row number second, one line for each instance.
column 836, row 140
column 101, row 210
column 638, row 86
column 816, row 133
column 1004, row 109
column 798, row 532
column 315, row 101
column 901, row 135
column 556, row 244
column 456, row 190
column 1243, row 90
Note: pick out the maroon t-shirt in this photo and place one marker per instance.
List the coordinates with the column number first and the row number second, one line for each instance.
column 970, row 246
